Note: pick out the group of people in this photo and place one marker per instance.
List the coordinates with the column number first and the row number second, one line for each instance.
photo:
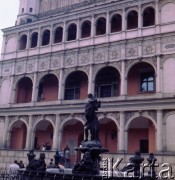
column 13, row 168
column 62, row 158
column 45, row 146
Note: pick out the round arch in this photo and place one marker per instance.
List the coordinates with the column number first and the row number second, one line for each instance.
column 43, row 136
column 137, row 116
column 104, row 66
column 141, row 132
column 22, row 42
column 69, row 119
column 72, row 135
column 141, row 78
column 138, row 62
column 111, row 118
column 107, row 82
column 100, row 25
column 23, row 90
column 76, row 85
column 108, row 134
column 48, row 87
column 18, row 134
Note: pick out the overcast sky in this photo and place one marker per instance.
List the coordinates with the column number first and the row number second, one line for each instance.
column 8, row 14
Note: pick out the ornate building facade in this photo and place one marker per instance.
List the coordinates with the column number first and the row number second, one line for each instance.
column 61, row 50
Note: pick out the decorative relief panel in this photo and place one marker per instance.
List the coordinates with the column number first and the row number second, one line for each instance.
column 64, row 116
column 20, row 68
column 114, row 54
column 99, row 57
column 12, row 119
column 153, row 114
column 31, row 66
column 43, row 64
column 131, row 52
column 116, row 115
column 129, row 115
column 149, row 49
column 7, row 69
column 168, row 47
column 118, row 65
column 69, row 60
column 83, row 59
column 55, row 63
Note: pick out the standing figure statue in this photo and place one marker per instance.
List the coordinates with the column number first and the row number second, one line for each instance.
column 92, row 123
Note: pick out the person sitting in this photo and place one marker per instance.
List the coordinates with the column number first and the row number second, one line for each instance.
column 21, row 164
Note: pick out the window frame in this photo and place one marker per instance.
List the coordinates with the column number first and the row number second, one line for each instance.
column 142, row 77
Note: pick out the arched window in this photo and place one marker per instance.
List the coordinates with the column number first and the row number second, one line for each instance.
column 72, row 32
column 101, row 26
column 48, row 88
column 24, row 90
column 76, row 86
column 58, row 35
column 23, row 42
column 86, row 29
column 148, row 17
column 132, row 20
column 116, row 23
column 46, row 38
column 34, row 40
column 107, row 82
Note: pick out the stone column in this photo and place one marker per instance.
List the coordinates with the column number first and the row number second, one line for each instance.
column 60, row 135
column 139, row 21
column 51, row 35
column 64, row 32
column 32, row 138
column 5, row 135
column 159, row 131
column 29, row 131
column 56, row 132
column 123, row 24
column 123, row 81
column 61, row 86
column 28, row 40
column 78, row 30
column 107, row 26
column 157, row 17
column 91, row 82
column 34, row 88
column 39, row 38
column 158, row 78
column 93, row 26
column 4, row 44
column 122, row 132
column 126, row 140
column 12, row 90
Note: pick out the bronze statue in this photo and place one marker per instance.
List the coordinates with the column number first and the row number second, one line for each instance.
column 92, row 123
column 31, row 155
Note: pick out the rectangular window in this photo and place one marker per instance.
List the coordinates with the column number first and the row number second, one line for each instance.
column 72, row 93
column 107, row 90
column 147, row 82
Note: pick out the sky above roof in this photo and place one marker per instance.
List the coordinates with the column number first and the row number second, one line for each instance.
column 8, row 15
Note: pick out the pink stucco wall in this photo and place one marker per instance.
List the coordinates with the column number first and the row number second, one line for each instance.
column 108, row 136
column 18, row 137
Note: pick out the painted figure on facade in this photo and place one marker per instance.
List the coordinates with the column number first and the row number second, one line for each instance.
column 92, row 123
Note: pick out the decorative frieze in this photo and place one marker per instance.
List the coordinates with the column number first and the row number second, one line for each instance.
column 130, row 52
column 151, row 49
